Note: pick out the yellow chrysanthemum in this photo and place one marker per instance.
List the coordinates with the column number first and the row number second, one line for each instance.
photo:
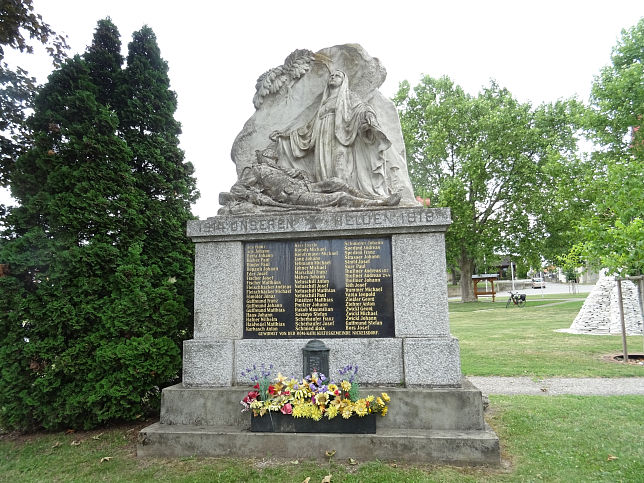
column 331, row 412
column 361, row 408
column 370, row 398
column 346, row 412
column 380, row 401
column 346, row 385
column 384, row 411
column 299, row 411
column 316, row 414
column 386, row 397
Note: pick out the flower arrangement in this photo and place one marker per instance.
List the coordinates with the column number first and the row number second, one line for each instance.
column 314, row 397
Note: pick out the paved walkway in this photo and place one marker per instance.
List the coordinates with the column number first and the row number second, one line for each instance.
column 583, row 386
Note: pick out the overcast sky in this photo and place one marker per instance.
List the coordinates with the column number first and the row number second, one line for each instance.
column 541, row 51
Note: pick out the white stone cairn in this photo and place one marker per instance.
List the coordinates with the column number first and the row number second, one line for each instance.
column 600, row 313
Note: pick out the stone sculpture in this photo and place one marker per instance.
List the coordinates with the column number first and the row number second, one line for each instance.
column 343, row 140
column 324, row 131
column 265, row 187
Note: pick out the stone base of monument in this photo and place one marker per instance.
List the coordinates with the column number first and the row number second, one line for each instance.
column 369, row 286
column 437, row 425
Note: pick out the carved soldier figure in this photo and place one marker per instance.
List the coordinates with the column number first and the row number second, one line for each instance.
column 265, row 186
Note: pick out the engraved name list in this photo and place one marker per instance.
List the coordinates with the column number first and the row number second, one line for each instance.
column 318, row 288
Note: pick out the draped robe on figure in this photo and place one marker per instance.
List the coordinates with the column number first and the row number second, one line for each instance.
column 342, row 140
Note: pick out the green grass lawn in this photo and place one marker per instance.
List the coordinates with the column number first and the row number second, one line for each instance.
column 496, row 341
column 562, row 438
column 543, row 438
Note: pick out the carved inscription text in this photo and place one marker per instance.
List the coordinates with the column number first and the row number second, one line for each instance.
column 318, row 288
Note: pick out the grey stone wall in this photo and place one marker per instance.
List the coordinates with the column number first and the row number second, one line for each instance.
column 423, row 353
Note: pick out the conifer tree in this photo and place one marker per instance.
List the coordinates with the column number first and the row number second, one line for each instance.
column 62, row 246
column 97, row 300
column 105, row 61
column 161, row 173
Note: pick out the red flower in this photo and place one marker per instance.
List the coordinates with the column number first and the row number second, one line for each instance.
column 249, row 398
column 256, row 386
column 336, row 392
column 287, row 408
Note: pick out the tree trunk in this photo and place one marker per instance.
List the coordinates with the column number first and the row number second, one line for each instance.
column 466, row 264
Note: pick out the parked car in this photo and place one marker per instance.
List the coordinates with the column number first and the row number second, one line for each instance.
column 538, row 283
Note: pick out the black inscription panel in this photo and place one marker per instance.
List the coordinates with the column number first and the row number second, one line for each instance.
column 318, row 288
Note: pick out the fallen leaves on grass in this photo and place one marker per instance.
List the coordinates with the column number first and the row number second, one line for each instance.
column 352, row 461
column 307, row 479
column 98, row 436
column 105, row 458
column 75, row 443
column 326, row 479
column 611, row 457
column 56, row 444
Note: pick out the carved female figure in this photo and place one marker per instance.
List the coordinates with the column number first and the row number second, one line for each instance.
column 342, row 140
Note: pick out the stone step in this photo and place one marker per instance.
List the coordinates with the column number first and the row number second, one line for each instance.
column 476, row 447
column 410, row 408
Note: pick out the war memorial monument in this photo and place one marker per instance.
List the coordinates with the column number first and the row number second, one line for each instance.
column 321, row 242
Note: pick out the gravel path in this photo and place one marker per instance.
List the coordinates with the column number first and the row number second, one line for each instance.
column 582, row 386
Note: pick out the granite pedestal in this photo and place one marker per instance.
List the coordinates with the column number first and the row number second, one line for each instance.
column 434, row 415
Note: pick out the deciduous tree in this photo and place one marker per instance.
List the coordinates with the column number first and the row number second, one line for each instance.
column 492, row 160
column 19, row 25
column 613, row 230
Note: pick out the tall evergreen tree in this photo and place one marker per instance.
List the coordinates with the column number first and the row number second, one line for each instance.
column 161, row 173
column 62, row 247
column 96, row 302
column 105, row 61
